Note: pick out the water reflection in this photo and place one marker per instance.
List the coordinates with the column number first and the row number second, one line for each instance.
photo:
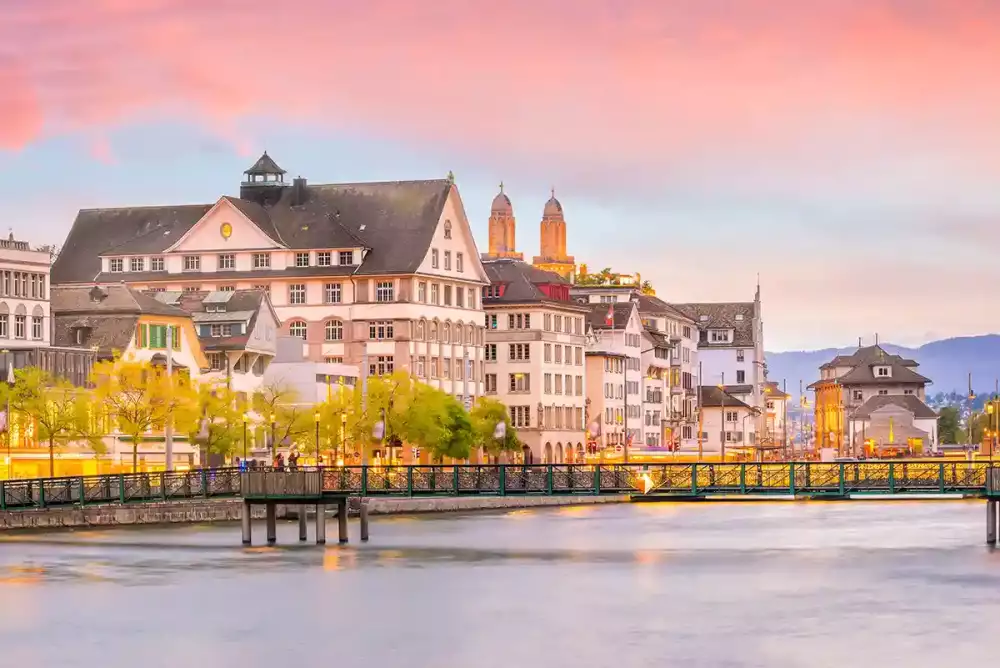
column 697, row 585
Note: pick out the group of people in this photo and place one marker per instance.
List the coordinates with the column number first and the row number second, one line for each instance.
column 279, row 463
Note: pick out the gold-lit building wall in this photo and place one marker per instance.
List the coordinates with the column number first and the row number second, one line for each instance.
column 829, row 416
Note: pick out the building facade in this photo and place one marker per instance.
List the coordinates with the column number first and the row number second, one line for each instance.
column 853, row 387
column 731, row 347
column 615, row 336
column 237, row 330
column 384, row 272
column 728, row 424
column 24, row 295
column 535, row 340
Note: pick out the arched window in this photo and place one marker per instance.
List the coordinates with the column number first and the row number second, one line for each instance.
column 433, row 335
column 334, row 330
column 297, row 328
column 418, row 330
column 447, row 229
column 446, row 333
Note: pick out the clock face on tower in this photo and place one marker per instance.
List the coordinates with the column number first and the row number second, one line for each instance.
column 226, row 230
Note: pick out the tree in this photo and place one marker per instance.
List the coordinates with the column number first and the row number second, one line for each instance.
column 139, row 397
column 213, row 420
column 647, row 288
column 460, row 435
column 948, row 427
column 485, row 416
column 53, row 403
column 286, row 418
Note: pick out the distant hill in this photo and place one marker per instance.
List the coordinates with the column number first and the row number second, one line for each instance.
column 947, row 363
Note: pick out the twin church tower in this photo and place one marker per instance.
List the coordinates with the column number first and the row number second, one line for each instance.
column 553, row 255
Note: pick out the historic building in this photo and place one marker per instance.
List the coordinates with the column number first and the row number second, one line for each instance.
column 856, row 396
column 731, row 347
column 24, row 301
column 728, row 423
column 382, row 274
column 615, row 379
column 535, row 339
column 116, row 319
column 552, row 254
column 237, row 330
column 502, row 238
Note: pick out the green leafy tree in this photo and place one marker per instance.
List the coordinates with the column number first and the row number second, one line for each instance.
column 457, row 444
column 51, row 402
column 948, row 425
column 288, row 420
column 139, row 398
column 485, row 416
column 647, row 288
column 213, row 419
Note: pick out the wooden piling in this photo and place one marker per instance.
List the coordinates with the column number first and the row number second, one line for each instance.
column 364, row 521
column 342, row 519
column 271, row 519
column 320, row 524
column 991, row 522
column 247, row 530
column 302, row 522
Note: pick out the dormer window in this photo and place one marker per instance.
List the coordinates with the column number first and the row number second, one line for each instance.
column 116, row 264
column 883, row 372
column 703, row 318
column 718, row 336
column 80, row 335
column 739, row 317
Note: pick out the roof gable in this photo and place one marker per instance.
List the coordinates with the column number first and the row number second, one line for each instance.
column 247, row 225
column 452, row 235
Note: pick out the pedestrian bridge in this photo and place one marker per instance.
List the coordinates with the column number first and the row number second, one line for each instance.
column 835, row 480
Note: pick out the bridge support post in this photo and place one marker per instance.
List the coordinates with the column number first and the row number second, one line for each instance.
column 320, row 524
column 247, row 530
column 271, row 519
column 364, row 521
column 302, row 522
column 991, row 522
column 342, row 519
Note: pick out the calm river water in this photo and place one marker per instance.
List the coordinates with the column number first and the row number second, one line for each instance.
column 714, row 585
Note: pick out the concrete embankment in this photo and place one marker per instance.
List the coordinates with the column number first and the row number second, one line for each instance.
column 228, row 510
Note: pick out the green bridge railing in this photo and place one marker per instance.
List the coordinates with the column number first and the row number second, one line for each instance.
column 690, row 480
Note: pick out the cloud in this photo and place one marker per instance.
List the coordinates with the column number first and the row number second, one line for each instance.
column 743, row 93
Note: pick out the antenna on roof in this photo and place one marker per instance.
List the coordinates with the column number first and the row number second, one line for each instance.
column 859, row 342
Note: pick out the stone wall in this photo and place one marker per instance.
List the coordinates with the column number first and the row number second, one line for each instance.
column 228, row 510
column 171, row 512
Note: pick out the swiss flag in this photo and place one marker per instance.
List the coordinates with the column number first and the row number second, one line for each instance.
column 609, row 319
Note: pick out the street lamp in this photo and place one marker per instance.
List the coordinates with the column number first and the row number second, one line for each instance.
column 274, row 448
column 316, row 420
column 244, row 438
column 343, row 439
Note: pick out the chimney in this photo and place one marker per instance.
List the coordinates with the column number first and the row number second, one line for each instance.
column 97, row 294
column 298, row 191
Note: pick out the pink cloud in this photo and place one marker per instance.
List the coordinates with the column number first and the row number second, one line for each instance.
column 659, row 85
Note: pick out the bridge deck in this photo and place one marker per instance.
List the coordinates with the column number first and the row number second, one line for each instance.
column 809, row 479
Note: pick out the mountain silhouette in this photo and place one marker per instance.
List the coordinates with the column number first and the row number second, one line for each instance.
column 947, row 363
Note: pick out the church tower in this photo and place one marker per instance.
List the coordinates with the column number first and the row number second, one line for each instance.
column 501, row 229
column 553, row 255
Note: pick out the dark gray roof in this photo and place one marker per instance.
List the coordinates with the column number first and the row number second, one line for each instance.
column 713, row 397
column 723, row 315
column 659, row 339
column 599, row 313
column 521, row 282
column 265, row 165
column 108, row 312
column 651, row 305
column 395, row 220
column 863, row 362
column 114, row 299
column 135, row 230
column 248, row 304
column 910, row 402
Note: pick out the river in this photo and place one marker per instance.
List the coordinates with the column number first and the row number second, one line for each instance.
column 693, row 585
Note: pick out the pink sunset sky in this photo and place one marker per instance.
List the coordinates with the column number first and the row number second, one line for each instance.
column 846, row 151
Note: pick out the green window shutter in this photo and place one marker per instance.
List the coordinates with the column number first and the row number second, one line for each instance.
column 176, row 336
column 143, row 335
